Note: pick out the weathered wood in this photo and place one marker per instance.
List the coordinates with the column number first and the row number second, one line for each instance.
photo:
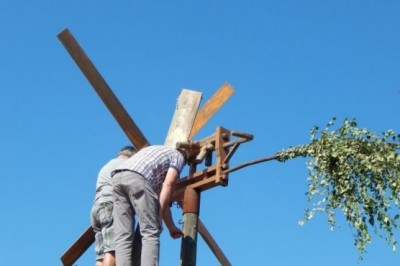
column 182, row 121
column 117, row 110
column 78, row 248
column 190, row 208
column 211, row 107
column 212, row 244
column 189, row 240
column 103, row 90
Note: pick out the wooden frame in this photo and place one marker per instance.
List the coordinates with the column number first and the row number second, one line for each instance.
column 190, row 125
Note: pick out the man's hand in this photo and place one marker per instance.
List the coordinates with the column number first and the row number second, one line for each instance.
column 175, row 232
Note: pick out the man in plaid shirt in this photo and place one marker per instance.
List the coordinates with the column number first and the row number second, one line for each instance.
column 143, row 186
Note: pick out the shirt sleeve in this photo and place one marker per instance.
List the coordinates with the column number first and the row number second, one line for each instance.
column 177, row 161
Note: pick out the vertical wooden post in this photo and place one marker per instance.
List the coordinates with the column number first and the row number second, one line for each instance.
column 191, row 205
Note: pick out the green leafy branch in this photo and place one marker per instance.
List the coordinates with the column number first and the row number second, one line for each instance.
column 355, row 171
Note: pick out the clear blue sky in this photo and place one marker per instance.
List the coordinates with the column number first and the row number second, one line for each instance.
column 293, row 64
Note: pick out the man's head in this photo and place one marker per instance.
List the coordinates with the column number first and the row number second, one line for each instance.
column 127, row 151
column 185, row 153
column 189, row 150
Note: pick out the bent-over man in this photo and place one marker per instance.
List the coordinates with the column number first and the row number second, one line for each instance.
column 135, row 185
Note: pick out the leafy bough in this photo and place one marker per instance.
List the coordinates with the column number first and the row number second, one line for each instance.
column 354, row 171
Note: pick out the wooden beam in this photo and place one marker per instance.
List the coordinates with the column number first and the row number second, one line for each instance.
column 78, row 248
column 103, row 90
column 117, row 110
column 211, row 107
column 182, row 121
column 212, row 244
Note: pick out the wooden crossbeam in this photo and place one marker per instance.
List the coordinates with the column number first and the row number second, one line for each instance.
column 184, row 115
column 219, row 254
column 211, row 107
column 79, row 247
column 103, row 90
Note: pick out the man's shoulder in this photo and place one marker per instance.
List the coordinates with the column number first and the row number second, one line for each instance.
column 112, row 164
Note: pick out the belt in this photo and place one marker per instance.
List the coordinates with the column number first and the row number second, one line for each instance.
column 120, row 171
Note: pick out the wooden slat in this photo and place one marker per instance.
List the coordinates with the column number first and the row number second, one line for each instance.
column 103, row 90
column 182, row 121
column 117, row 110
column 212, row 244
column 211, row 107
column 78, row 248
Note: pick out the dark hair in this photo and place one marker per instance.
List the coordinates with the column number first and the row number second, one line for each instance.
column 127, row 151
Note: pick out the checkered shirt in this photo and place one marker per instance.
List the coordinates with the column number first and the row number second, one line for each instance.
column 153, row 162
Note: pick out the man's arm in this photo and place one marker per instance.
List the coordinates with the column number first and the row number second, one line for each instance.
column 165, row 198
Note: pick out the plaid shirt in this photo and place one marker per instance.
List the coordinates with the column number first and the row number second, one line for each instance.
column 153, row 162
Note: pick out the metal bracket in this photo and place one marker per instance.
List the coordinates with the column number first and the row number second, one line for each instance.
column 224, row 143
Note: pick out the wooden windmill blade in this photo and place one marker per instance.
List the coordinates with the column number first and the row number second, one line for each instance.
column 103, row 90
column 212, row 244
column 79, row 247
column 187, row 121
column 184, row 117
column 117, row 110
column 211, row 107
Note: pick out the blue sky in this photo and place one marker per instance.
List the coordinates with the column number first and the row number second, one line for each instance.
column 293, row 64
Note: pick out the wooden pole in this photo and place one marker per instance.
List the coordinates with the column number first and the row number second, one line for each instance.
column 219, row 254
column 191, row 204
column 103, row 90
column 79, row 247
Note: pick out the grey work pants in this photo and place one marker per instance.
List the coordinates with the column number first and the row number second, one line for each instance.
column 134, row 195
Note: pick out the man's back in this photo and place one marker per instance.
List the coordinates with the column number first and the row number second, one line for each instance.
column 153, row 162
column 104, row 181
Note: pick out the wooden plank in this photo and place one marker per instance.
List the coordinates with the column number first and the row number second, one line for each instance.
column 181, row 130
column 211, row 107
column 103, row 90
column 182, row 121
column 117, row 110
column 79, row 247
column 212, row 244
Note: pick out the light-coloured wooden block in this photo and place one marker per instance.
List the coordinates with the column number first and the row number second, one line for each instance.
column 182, row 121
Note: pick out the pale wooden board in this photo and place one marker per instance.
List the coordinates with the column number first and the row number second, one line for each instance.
column 103, row 90
column 182, row 121
column 211, row 107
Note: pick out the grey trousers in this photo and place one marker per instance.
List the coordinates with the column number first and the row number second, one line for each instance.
column 133, row 195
